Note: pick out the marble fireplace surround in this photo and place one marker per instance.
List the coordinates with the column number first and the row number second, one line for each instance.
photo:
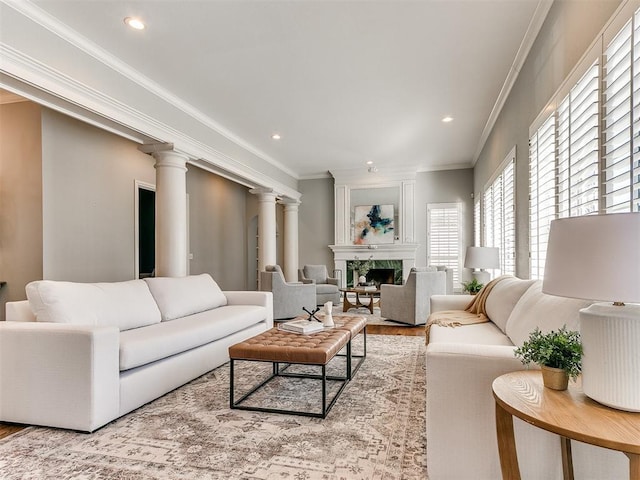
column 405, row 252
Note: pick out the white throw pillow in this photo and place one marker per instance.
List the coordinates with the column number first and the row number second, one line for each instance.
column 503, row 298
column 181, row 296
column 120, row 304
column 547, row 312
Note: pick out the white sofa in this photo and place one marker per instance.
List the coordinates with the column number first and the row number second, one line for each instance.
column 462, row 363
column 78, row 355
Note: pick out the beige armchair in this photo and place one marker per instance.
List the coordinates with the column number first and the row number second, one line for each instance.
column 327, row 288
column 288, row 298
column 409, row 303
column 449, row 273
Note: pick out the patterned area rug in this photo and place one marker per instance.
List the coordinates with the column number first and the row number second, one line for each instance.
column 376, row 430
column 372, row 319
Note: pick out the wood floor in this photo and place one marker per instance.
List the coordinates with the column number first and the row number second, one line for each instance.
column 7, row 429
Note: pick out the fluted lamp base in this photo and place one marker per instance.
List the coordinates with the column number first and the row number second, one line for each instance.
column 611, row 361
column 482, row 276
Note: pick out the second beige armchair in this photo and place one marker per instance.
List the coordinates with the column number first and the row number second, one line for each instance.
column 409, row 303
column 327, row 288
column 288, row 298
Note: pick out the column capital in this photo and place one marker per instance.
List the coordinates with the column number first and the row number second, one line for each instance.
column 264, row 193
column 290, row 204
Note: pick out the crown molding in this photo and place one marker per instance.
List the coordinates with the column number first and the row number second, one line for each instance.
column 42, row 84
column 383, row 175
column 51, row 23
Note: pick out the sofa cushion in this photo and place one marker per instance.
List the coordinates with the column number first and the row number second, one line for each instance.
column 504, row 297
column 317, row 273
column 120, row 304
column 548, row 312
column 181, row 296
column 141, row 346
column 325, row 288
column 478, row 334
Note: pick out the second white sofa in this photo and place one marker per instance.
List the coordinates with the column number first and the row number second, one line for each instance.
column 78, row 355
column 462, row 363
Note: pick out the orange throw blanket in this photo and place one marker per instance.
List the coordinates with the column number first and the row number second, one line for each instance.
column 473, row 313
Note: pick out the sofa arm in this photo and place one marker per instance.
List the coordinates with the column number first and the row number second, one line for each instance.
column 450, row 302
column 59, row 375
column 262, row 299
column 19, row 311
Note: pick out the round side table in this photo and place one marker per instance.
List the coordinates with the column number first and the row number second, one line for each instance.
column 570, row 414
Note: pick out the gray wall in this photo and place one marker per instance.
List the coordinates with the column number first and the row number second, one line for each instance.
column 446, row 186
column 88, row 200
column 217, row 228
column 20, row 199
column 317, row 210
column 315, row 222
column 67, row 206
column 570, row 28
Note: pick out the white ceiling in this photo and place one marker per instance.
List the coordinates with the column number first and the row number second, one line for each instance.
column 343, row 82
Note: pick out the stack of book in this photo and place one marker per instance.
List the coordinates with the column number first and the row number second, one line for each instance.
column 301, row 326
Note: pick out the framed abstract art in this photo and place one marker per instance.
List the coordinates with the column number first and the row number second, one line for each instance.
column 373, row 224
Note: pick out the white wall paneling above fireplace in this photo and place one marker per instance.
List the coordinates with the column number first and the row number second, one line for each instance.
column 355, row 187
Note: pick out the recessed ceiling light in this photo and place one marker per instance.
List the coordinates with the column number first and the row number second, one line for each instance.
column 134, row 23
column 276, row 136
column 369, row 162
column 447, row 119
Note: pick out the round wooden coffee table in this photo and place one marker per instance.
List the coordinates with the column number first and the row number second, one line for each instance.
column 570, row 414
column 346, row 304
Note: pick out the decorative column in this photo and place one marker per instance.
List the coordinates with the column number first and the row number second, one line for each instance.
column 266, row 227
column 290, row 239
column 171, row 210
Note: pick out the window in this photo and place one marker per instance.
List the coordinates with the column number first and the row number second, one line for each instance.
column 621, row 159
column 563, row 165
column 444, row 237
column 499, row 217
column 579, row 148
column 542, row 193
column 477, row 224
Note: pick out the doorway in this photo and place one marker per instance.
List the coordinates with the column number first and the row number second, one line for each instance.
column 145, row 230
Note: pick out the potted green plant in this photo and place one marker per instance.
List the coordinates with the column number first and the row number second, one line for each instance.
column 559, row 354
column 472, row 287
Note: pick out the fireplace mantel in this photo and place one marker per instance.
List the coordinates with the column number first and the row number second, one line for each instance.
column 406, row 252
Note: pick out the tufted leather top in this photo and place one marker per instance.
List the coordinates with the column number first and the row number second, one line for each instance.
column 278, row 346
column 353, row 324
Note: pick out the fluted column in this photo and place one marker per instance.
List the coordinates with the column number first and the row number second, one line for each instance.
column 266, row 227
column 290, row 239
column 171, row 213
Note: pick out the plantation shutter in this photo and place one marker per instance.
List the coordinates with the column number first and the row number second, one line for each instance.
column 477, row 225
column 499, row 218
column 579, row 148
column 542, row 193
column 621, row 162
column 444, row 240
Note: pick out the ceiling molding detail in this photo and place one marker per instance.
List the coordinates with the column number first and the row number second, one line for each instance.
column 383, row 176
column 527, row 42
column 82, row 43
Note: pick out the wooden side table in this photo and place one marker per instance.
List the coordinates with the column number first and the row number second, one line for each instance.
column 570, row 414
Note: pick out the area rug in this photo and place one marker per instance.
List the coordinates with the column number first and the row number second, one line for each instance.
column 376, row 430
column 372, row 318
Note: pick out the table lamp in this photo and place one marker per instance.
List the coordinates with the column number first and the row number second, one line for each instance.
column 481, row 258
column 597, row 257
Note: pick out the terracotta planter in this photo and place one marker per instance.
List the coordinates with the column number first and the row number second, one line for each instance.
column 554, row 378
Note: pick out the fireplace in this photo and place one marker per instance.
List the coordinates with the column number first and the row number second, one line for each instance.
column 381, row 271
column 381, row 275
column 399, row 257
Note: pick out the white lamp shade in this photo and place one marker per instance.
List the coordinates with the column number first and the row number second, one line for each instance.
column 482, row 257
column 595, row 257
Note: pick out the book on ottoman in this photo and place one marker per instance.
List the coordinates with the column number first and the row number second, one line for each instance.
column 302, row 326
